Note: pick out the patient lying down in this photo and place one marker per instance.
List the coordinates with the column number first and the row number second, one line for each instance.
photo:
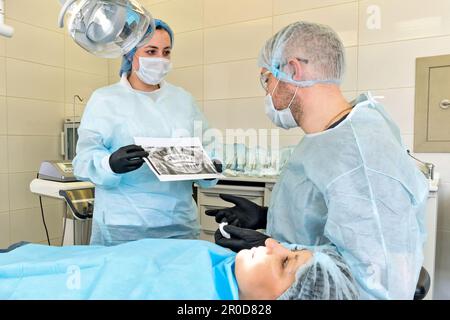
column 174, row 269
column 274, row 272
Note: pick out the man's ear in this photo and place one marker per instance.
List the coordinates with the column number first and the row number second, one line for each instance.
column 296, row 68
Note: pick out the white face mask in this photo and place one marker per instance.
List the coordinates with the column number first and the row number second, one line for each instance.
column 281, row 118
column 153, row 70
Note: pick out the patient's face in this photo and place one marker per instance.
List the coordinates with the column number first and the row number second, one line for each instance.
column 266, row 272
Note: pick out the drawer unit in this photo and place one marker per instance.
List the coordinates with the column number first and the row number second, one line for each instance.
column 209, row 199
column 257, row 190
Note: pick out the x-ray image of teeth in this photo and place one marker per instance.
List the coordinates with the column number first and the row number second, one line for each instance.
column 177, row 159
column 180, row 160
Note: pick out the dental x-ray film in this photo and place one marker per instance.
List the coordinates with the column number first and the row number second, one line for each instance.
column 175, row 159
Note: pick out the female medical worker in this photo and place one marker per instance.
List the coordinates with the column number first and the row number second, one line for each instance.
column 130, row 202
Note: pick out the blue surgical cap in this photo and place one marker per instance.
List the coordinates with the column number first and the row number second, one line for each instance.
column 325, row 276
column 128, row 58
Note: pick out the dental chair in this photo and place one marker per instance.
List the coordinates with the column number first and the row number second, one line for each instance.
column 423, row 285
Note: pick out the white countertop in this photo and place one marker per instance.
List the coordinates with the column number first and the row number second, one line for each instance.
column 51, row 188
column 250, row 179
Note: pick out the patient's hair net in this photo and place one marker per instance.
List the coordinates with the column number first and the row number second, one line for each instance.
column 127, row 59
column 317, row 44
column 324, row 277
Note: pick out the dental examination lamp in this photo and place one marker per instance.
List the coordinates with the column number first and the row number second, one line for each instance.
column 5, row 30
column 106, row 28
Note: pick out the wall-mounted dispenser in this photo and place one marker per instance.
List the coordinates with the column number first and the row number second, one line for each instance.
column 5, row 30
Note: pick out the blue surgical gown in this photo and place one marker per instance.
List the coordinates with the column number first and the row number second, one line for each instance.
column 356, row 187
column 137, row 205
column 145, row 269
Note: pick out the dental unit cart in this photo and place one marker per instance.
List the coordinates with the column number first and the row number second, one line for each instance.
column 56, row 180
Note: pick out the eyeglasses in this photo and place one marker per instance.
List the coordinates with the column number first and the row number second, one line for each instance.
column 264, row 77
column 305, row 61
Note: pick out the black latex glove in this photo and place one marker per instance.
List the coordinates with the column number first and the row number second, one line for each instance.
column 218, row 165
column 240, row 238
column 245, row 213
column 128, row 158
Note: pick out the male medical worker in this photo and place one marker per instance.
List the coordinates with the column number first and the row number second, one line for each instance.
column 130, row 202
column 349, row 181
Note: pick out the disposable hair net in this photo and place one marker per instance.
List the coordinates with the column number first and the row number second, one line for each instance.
column 324, row 277
column 316, row 46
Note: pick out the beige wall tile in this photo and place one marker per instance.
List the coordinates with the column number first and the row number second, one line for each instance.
column 3, row 116
column 287, row 6
column 188, row 49
column 34, row 117
column 4, row 194
column 200, row 105
column 392, row 65
column 2, row 47
column 219, row 12
column 80, row 60
column 19, row 191
column 402, row 19
column 399, row 103
column 181, row 15
column 237, row 114
column 42, row 13
column 237, row 41
column 34, row 81
column 343, row 19
column 55, row 220
column 82, row 84
column 114, row 68
column 3, row 154
column 27, row 225
column 20, row 196
column 26, row 153
column 350, row 82
column 113, row 80
column 35, row 44
column 4, row 230
column 151, row 2
column 190, row 79
column 232, row 80
column 2, row 76
column 69, row 112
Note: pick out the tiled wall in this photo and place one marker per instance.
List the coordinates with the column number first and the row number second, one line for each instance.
column 40, row 71
column 217, row 44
